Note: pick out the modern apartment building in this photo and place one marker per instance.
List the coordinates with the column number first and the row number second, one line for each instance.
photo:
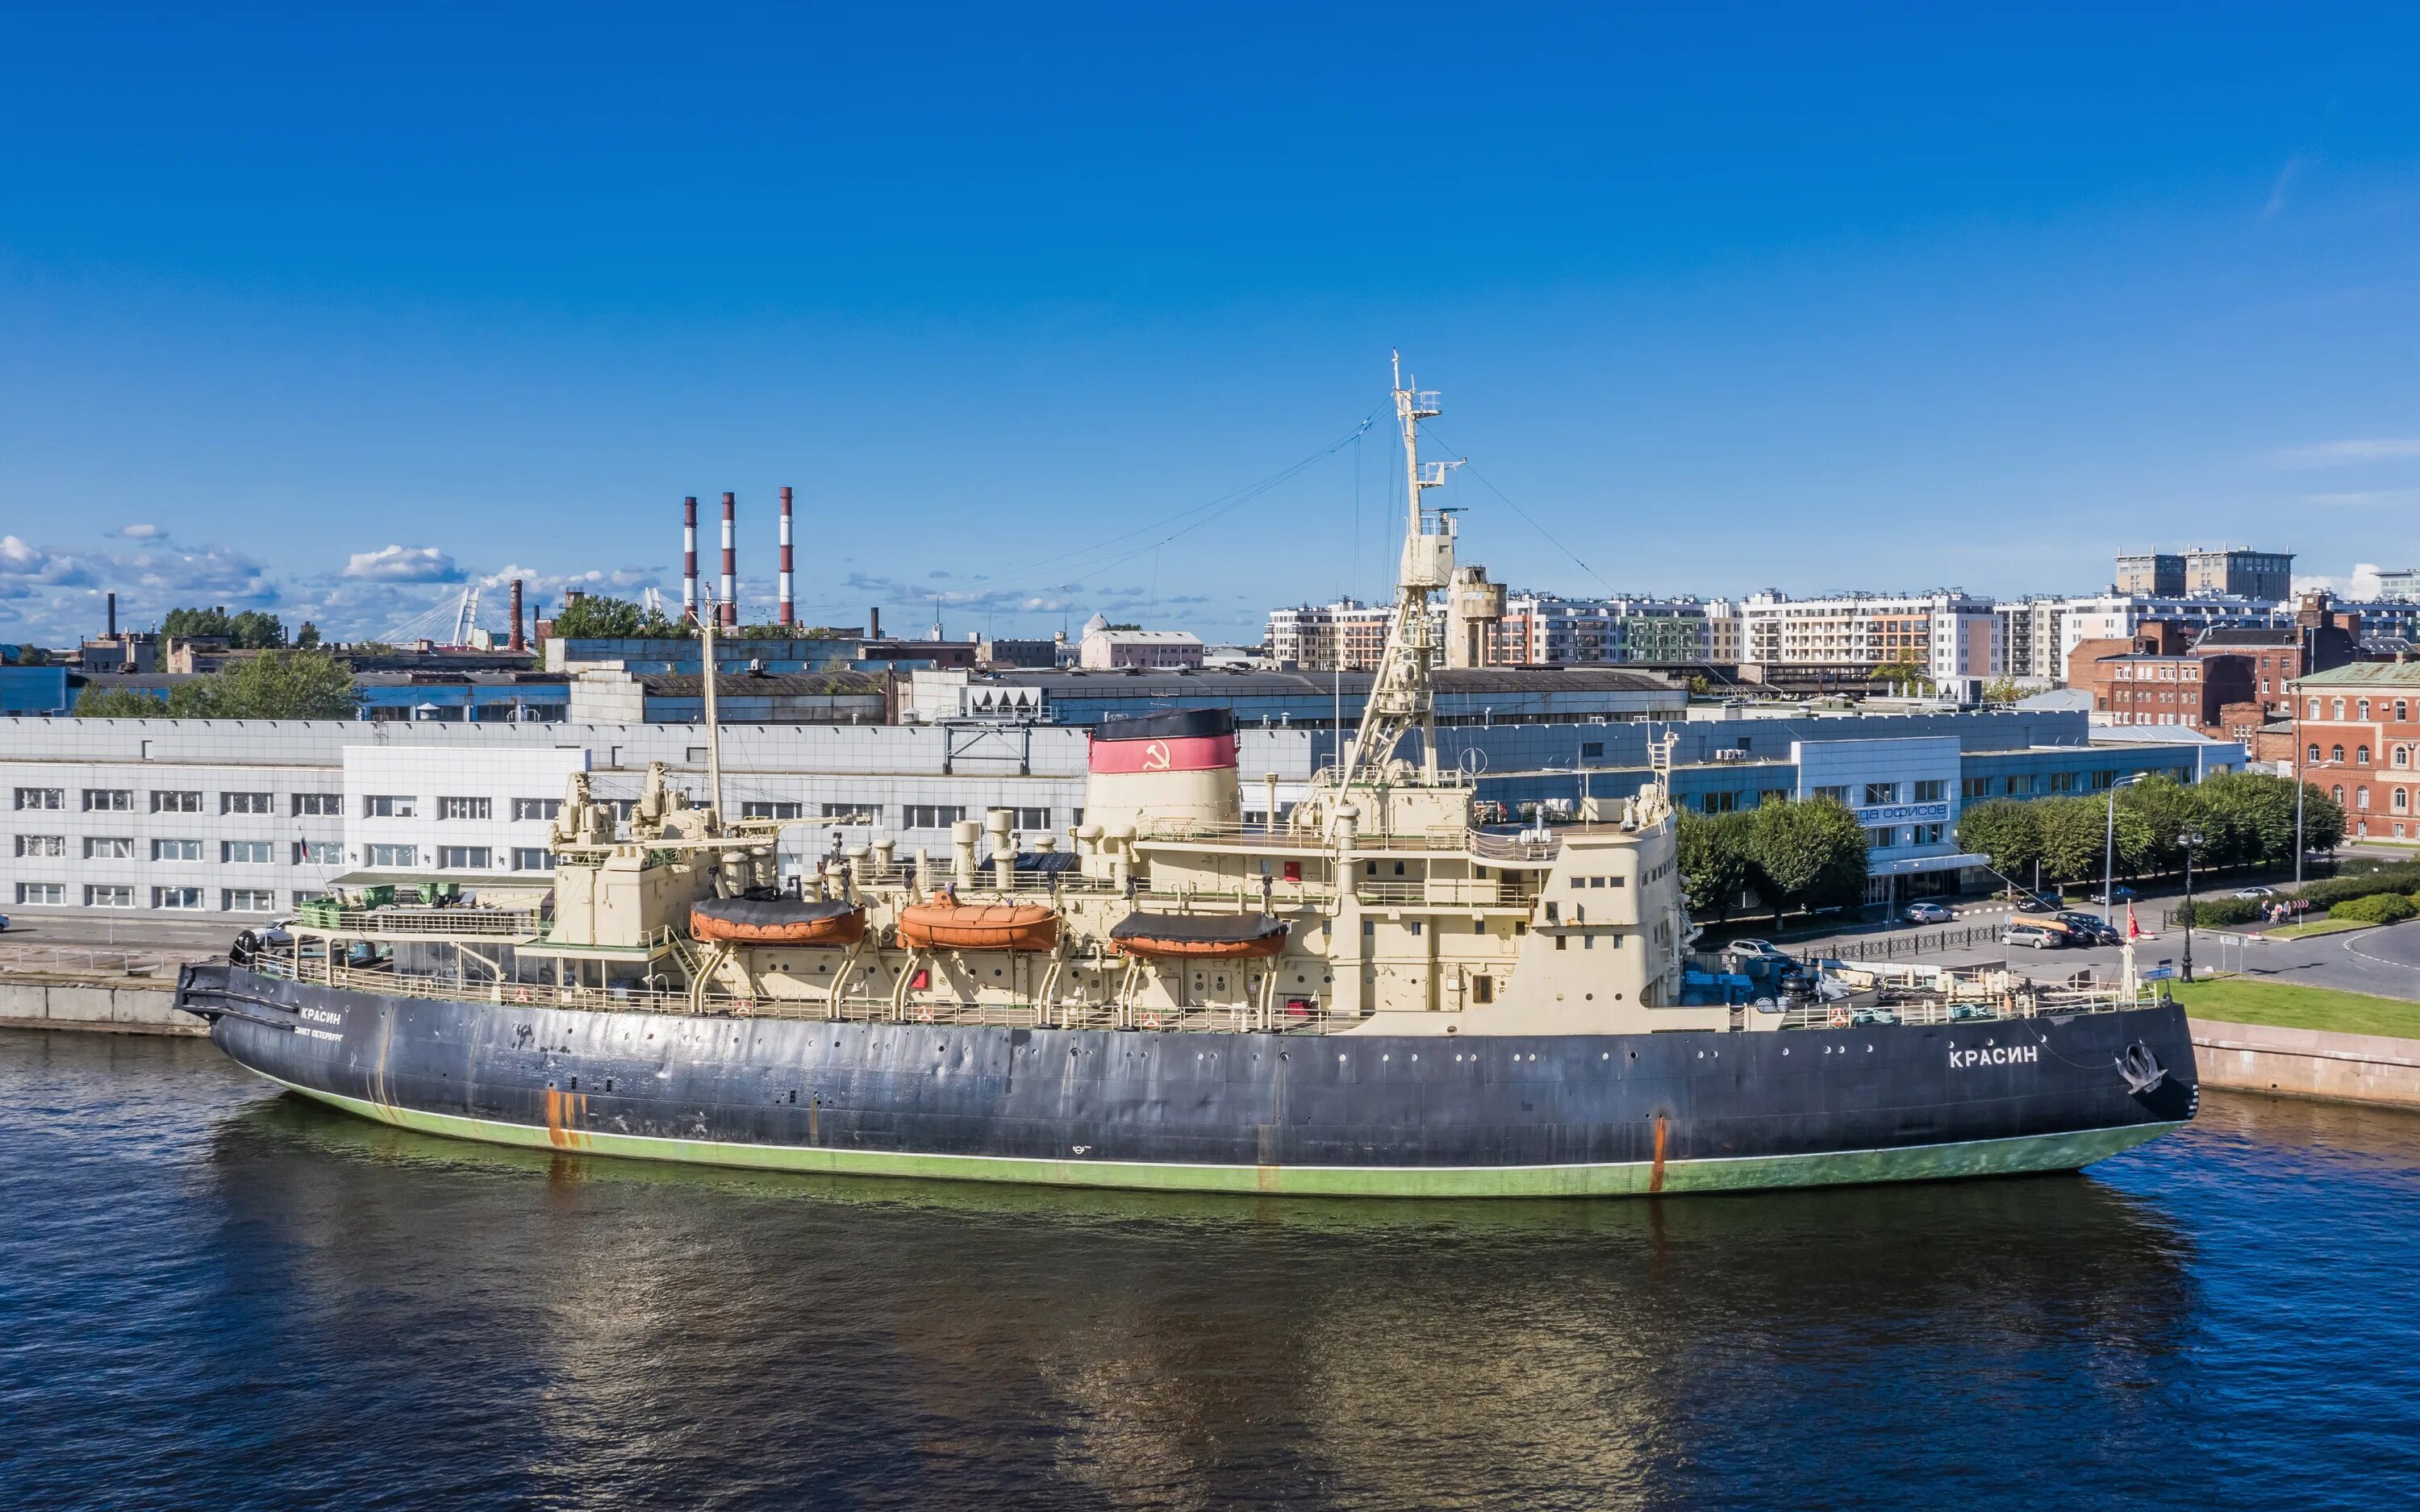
column 2237, row 572
column 1947, row 634
column 2160, row 574
column 2122, row 616
column 1323, row 637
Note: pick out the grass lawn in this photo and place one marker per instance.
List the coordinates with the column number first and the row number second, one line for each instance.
column 2239, row 1000
column 2316, row 926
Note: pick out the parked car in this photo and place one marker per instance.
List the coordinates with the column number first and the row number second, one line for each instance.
column 3, row 922
column 2119, row 894
column 2255, row 892
column 2035, row 935
column 1928, row 914
column 2034, row 902
column 2091, row 929
column 1756, row 949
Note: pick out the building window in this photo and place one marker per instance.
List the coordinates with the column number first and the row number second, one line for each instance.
column 2335, row 753
column 2338, row 705
column 772, row 811
column 1718, row 802
column 247, row 803
column 930, row 815
column 396, row 856
column 465, row 857
column 41, row 798
column 2361, row 709
column 109, row 848
column 1928, row 834
column 1591, row 750
column 244, row 852
column 462, row 809
column 1039, row 819
column 248, row 900
column 318, row 852
column 1879, row 793
column 536, row 807
column 2402, row 800
column 49, row 893
column 45, row 845
column 2315, row 709
column 533, row 858
column 1839, row 795
column 1975, row 787
column 176, row 897
column 845, row 810
column 2315, row 753
column 1931, row 790
column 2337, row 793
column 386, row 805
column 322, row 804
column 108, row 800
column 175, row 800
column 2402, row 755
column 1882, row 839
column 2402, row 710
column 109, row 896
column 2361, row 755
column 175, row 850
column 2361, row 798
column 2062, row 781
column 302, row 897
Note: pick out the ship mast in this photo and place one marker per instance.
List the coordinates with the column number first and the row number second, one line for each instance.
column 1403, row 695
column 713, row 724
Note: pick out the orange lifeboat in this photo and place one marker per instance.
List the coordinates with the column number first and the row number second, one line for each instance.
column 776, row 921
column 1201, row 936
column 945, row 924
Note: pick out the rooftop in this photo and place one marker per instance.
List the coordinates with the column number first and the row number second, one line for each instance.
column 2366, row 675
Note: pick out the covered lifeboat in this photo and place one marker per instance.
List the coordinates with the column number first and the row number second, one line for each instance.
column 1201, row 936
column 776, row 921
column 943, row 923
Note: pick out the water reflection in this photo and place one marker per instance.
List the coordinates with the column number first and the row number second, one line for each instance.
column 1145, row 1350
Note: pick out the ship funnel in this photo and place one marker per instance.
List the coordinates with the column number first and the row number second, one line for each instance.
column 1164, row 767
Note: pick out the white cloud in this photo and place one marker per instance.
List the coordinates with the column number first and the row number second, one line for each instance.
column 2360, row 585
column 404, row 564
column 2348, row 452
column 141, row 533
column 29, row 563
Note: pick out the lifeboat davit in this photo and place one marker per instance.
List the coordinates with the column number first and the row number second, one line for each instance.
column 945, row 924
column 1201, row 936
column 776, row 921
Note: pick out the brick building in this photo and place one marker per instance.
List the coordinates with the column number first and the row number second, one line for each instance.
column 2356, row 736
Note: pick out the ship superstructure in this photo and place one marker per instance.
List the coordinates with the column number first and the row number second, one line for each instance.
column 1168, row 952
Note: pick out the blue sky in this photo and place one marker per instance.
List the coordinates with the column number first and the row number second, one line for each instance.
column 1719, row 300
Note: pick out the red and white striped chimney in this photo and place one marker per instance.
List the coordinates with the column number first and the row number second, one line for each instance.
column 689, row 558
column 730, row 560
column 789, row 610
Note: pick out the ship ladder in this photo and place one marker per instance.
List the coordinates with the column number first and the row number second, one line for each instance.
column 899, row 988
column 1125, row 1000
column 840, row 978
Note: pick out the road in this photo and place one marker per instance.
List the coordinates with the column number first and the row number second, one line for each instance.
column 2385, row 960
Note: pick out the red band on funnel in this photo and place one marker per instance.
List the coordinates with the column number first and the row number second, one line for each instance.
column 1182, row 753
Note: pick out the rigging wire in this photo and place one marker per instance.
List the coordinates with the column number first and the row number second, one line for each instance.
column 1551, row 539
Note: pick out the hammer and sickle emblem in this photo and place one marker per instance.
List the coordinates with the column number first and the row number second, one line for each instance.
column 1154, row 756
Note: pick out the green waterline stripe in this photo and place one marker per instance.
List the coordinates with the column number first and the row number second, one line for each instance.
column 1731, row 1173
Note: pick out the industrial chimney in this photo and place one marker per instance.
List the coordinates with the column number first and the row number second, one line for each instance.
column 519, row 643
column 113, row 616
column 689, row 558
column 789, row 614
column 874, row 624
column 730, row 561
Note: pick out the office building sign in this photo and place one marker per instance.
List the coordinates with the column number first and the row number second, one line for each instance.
column 1903, row 813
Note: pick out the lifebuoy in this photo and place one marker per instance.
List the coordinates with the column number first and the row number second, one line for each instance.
column 1151, row 1020
column 925, row 1014
column 520, row 995
column 1839, row 1017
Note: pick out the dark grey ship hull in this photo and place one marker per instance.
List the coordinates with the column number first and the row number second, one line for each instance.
column 1340, row 1114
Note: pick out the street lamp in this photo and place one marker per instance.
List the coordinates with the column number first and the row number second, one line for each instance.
column 2109, row 851
column 2188, row 838
column 2299, row 785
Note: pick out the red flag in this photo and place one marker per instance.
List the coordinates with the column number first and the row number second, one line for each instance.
column 2133, row 931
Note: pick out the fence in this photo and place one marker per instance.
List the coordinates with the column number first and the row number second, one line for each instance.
column 85, row 961
column 1911, row 942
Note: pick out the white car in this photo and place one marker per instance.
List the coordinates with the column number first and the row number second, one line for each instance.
column 1928, row 914
column 2253, row 892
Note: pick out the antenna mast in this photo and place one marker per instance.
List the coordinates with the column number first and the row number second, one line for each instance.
column 1403, row 697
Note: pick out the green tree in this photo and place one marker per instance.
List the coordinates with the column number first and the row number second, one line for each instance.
column 1716, row 860
column 2002, row 690
column 251, row 630
column 307, row 638
column 2007, row 830
column 1809, row 855
column 1904, row 676
column 596, row 616
column 2324, row 820
column 2073, row 834
column 279, row 684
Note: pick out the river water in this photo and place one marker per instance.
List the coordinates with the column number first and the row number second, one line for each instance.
column 215, row 1295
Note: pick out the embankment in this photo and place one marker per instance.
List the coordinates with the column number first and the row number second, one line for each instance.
column 101, row 1006
column 2342, row 1067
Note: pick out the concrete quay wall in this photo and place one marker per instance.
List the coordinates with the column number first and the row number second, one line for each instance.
column 2340, row 1068
column 95, row 1007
